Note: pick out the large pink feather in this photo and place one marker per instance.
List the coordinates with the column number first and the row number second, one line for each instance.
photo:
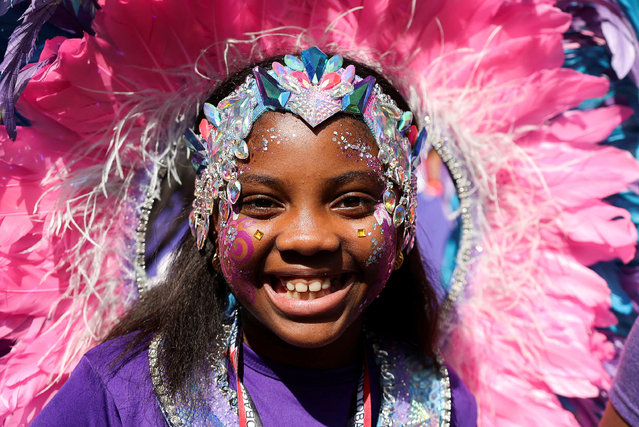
column 488, row 72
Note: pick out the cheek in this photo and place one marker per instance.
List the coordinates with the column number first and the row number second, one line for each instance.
column 381, row 251
column 237, row 256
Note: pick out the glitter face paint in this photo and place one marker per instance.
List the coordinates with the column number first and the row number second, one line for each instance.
column 269, row 136
column 354, row 147
column 236, row 249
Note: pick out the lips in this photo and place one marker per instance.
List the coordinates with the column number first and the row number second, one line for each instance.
column 308, row 296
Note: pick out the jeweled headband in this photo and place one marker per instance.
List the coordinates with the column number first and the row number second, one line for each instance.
column 315, row 88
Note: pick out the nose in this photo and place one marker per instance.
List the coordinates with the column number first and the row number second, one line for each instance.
column 307, row 233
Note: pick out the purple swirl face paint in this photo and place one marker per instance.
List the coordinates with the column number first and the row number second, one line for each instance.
column 236, row 250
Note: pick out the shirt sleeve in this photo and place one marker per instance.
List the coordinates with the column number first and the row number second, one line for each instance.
column 624, row 394
column 82, row 401
column 464, row 406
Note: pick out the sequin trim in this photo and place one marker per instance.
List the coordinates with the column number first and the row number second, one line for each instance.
column 413, row 393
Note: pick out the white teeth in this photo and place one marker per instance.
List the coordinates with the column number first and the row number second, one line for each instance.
column 315, row 286
column 307, row 289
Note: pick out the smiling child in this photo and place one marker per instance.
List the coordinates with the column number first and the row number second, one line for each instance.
column 300, row 298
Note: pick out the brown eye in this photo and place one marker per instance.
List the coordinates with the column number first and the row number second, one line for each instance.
column 352, row 202
column 354, row 205
column 260, row 206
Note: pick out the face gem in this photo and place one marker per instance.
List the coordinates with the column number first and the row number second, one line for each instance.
column 399, row 215
column 315, row 62
column 233, row 191
column 241, row 150
column 279, row 69
column 212, row 114
column 421, row 137
column 271, row 92
column 258, row 234
column 349, row 74
column 405, row 121
column 315, row 107
column 389, row 199
column 361, row 232
column 228, row 171
column 293, row 63
column 334, row 64
column 225, row 210
column 357, row 100
column 329, row 81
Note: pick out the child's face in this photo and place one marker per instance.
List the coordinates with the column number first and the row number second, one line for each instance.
column 310, row 219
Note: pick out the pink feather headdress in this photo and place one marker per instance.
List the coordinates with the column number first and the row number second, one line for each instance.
column 109, row 109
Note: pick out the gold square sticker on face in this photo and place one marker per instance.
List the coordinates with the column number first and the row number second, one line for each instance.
column 258, row 234
column 361, row 232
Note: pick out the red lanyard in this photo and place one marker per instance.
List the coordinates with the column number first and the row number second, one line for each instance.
column 248, row 417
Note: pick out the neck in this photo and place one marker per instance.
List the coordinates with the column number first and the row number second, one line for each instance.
column 339, row 353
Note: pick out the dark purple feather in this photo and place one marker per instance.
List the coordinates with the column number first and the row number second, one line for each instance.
column 19, row 49
column 5, row 5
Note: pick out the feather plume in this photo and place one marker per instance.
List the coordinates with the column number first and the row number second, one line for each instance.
column 109, row 109
column 19, row 49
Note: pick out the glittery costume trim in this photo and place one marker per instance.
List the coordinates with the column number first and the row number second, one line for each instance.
column 414, row 393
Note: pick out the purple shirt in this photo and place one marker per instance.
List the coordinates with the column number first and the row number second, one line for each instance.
column 96, row 394
column 624, row 394
column 305, row 397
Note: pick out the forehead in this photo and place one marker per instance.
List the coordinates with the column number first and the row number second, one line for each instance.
column 280, row 139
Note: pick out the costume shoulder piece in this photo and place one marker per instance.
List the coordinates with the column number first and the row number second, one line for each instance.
column 96, row 123
column 415, row 392
column 418, row 390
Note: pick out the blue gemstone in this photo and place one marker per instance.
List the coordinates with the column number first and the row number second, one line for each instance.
column 293, row 63
column 356, row 101
column 315, row 62
column 212, row 114
column 421, row 137
column 193, row 142
column 334, row 64
column 271, row 92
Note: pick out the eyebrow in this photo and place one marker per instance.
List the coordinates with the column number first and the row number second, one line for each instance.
column 251, row 178
column 335, row 181
column 351, row 176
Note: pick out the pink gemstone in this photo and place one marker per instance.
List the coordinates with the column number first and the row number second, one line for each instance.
column 302, row 78
column 330, row 80
column 349, row 73
column 279, row 69
column 205, row 128
column 412, row 135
